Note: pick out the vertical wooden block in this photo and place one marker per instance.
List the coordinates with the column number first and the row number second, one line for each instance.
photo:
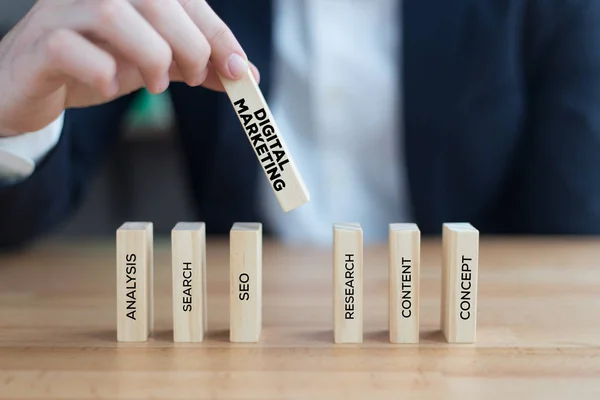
column 460, row 265
column 245, row 282
column 134, row 281
column 188, row 253
column 348, row 283
column 404, row 282
column 265, row 137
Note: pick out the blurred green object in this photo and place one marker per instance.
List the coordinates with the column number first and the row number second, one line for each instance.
column 150, row 112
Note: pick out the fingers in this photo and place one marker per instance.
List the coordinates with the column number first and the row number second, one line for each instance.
column 227, row 55
column 154, row 34
column 191, row 50
column 131, row 35
column 67, row 54
column 213, row 81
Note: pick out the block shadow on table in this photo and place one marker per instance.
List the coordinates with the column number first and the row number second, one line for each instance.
column 303, row 338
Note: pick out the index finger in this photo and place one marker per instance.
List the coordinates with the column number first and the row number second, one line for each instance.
column 227, row 55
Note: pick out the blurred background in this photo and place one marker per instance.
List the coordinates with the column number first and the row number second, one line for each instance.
column 148, row 145
column 521, row 116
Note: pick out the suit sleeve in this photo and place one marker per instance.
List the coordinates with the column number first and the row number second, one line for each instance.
column 19, row 154
column 37, row 205
column 33, row 206
column 558, row 190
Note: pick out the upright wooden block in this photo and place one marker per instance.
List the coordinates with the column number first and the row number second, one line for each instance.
column 404, row 282
column 245, row 282
column 188, row 253
column 460, row 265
column 266, row 140
column 134, row 281
column 348, row 283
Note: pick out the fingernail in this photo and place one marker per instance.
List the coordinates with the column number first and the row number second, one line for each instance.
column 237, row 65
column 166, row 81
column 256, row 73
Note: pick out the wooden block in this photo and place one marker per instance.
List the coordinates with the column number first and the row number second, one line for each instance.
column 134, row 281
column 460, row 248
column 245, row 282
column 266, row 140
column 188, row 253
column 348, row 283
column 404, row 282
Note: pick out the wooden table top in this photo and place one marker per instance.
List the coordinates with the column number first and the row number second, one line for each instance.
column 538, row 332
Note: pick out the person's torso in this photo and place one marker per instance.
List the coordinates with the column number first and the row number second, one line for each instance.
column 462, row 114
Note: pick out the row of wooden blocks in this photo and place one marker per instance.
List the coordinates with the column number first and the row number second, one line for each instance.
column 135, row 282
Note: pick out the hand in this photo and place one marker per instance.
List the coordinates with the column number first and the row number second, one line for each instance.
column 77, row 53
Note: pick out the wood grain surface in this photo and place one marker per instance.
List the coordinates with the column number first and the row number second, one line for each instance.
column 538, row 331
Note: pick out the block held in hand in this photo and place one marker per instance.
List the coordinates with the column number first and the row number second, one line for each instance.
column 266, row 140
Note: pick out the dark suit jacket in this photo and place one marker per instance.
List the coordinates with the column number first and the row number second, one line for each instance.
column 502, row 124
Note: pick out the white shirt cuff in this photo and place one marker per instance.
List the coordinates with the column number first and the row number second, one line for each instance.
column 19, row 154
